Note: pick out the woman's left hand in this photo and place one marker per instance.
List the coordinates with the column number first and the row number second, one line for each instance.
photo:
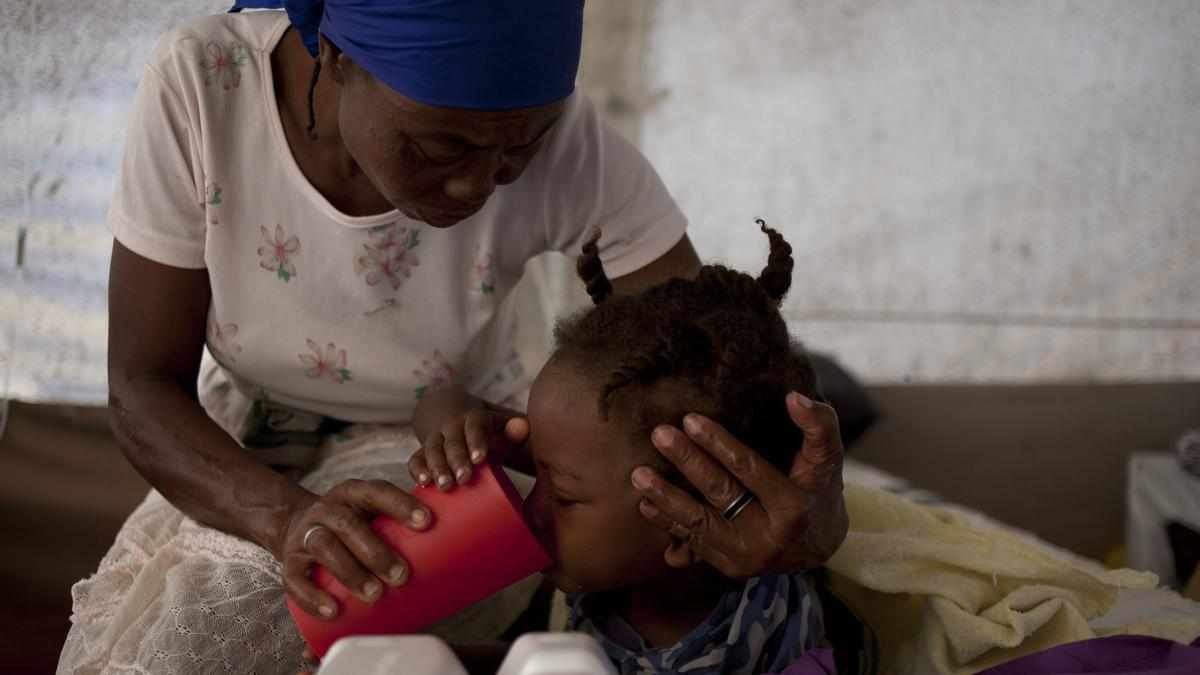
column 795, row 523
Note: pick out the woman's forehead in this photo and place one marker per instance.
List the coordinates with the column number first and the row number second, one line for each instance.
column 481, row 128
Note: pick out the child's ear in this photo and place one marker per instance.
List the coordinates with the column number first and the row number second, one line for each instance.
column 679, row 555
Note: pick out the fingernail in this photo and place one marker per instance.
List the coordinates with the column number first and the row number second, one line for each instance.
column 692, row 423
column 396, row 574
column 326, row 611
column 476, row 456
column 648, row 509
column 370, row 589
column 423, row 479
column 641, row 478
column 805, row 402
column 661, row 436
column 461, row 475
column 444, row 482
column 419, row 517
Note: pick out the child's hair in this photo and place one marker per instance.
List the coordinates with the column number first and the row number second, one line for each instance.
column 715, row 345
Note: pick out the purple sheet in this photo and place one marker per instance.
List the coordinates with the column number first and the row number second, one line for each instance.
column 1124, row 654
column 813, row 662
column 1116, row 655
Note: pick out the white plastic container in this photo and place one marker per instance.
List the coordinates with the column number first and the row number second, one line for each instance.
column 391, row 655
column 555, row 654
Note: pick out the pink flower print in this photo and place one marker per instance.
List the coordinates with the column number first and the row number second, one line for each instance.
column 212, row 194
column 485, row 281
column 331, row 362
column 212, row 197
column 276, row 255
column 436, row 372
column 389, row 255
column 496, row 388
column 224, row 66
column 220, row 341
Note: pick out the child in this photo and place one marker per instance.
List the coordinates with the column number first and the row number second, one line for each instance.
column 714, row 345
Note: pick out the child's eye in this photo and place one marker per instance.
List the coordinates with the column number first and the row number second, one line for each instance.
column 559, row 500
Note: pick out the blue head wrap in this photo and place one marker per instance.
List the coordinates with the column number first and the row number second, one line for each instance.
column 470, row 54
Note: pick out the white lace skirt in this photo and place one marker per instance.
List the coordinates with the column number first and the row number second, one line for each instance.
column 175, row 596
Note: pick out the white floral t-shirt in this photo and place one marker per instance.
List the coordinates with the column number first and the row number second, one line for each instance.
column 354, row 318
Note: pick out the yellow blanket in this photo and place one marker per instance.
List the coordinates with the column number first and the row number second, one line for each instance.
column 945, row 598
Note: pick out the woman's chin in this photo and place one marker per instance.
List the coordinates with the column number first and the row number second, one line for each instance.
column 439, row 222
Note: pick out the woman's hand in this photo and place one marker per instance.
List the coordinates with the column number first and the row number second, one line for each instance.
column 796, row 522
column 464, row 440
column 341, row 540
column 310, row 658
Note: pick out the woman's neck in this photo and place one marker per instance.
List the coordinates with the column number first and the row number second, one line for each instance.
column 665, row 610
column 324, row 161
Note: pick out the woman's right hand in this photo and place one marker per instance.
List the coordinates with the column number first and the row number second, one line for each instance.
column 344, row 542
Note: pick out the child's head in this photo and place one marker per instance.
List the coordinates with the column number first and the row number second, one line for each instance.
column 714, row 345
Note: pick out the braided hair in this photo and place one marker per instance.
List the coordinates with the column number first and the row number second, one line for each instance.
column 311, row 131
column 715, row 345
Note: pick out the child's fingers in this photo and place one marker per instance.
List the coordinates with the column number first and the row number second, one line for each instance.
column 435, row 460
column 418, row 469
column 516, row 430
column 456, row 451
column 476, row 429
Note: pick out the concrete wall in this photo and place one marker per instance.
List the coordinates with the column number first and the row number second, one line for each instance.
column 65, row 90
column 977, row 191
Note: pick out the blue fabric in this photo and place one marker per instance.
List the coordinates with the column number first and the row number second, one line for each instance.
column 762, row 626
column 469, row 54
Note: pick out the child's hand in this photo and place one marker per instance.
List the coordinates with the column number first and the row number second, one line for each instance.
column 466, row 439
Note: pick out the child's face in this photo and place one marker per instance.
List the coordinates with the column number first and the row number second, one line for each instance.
column 583, row 508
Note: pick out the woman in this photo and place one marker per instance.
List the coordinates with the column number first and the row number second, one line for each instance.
column 338, row 216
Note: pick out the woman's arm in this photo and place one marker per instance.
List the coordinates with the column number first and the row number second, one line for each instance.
column 157, row 316
column 680, row 261
column 156, row 334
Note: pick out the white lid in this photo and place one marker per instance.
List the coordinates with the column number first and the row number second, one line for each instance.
column 555, row 654
column 390, row 654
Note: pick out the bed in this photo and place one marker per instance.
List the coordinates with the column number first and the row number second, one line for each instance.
column 1131, row 606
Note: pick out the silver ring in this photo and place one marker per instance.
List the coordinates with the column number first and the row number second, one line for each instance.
column 308, row 533
column 738, row 505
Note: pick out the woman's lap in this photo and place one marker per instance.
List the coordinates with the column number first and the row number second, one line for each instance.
column 172, row 595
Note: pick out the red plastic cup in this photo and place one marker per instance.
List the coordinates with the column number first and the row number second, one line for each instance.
column 478, row 544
